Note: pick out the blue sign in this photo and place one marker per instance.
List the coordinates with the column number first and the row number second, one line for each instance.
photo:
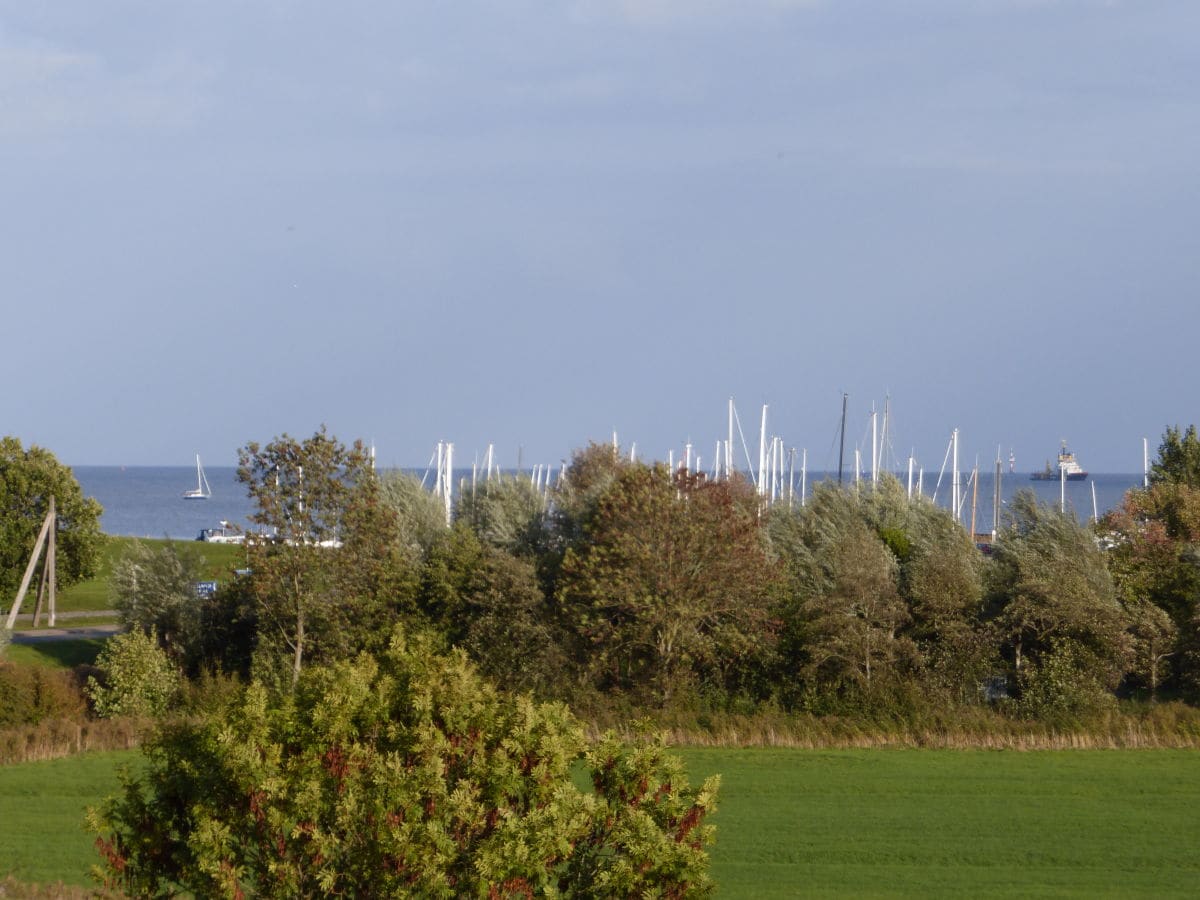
column 204, row 589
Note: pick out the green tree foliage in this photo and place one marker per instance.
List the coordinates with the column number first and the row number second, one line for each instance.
column 153, row 589
column 330, row 558
column 28, row 479
column 491, row 604
column 508, row 514
column 941, row 581
column 668, row 576
column 421, row 518
column 884, row 591
column 1068, row 680
column 589, row 475
column 1178, row 458
column 405, row 775
column 1050, row 589
column 138, row 677
column 844, row 614
column 1153, row 541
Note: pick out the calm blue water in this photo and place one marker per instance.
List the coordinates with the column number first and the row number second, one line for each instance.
column 147, row 501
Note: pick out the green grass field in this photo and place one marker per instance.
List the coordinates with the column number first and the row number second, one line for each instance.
column 955, row 823
column 42, row 806
column 883, row 823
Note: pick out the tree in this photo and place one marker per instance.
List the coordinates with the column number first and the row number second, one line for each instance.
column 328, row 556
column 421, row 518
column 28, row 479
column 1050, row 591
column 491, row 605
column 669, row 575
column 153, row 589
column 138, row 677
column 941, row 582
column 844, row 614
column 508, row 514
column 402, row 775
column 1152, row 540
column 1178, row 458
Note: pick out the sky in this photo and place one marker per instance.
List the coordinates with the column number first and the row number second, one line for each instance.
column 534, row 223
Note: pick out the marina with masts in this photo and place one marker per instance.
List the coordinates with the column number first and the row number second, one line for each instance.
column 779, row 472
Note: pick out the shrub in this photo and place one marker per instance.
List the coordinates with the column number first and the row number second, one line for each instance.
column 138, row 677
column 152, row 589
column 403, row 775
column 32, row 694
column 1064, row 685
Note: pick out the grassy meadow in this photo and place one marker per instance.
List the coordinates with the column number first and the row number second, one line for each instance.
column 850, row 823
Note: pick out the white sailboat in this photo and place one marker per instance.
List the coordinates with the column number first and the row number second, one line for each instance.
column 202, row 491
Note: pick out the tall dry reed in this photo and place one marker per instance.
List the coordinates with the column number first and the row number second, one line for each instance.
column 57, row 738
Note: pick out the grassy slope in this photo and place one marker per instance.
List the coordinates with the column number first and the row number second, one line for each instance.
column 842, row 823
column 955, row 823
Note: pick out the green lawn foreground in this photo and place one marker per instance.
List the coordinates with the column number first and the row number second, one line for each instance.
column 955, row 823
column 877, row 823
column 42, row 805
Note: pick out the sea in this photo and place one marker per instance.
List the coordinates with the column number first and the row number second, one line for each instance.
column 147, row 501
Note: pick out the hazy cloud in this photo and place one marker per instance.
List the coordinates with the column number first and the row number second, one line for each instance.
column 46, row 90
column 663, row 12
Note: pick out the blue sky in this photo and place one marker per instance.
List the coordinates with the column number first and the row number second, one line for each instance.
column 532, row 223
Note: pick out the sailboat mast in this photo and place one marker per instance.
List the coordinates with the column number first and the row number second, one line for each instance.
column 874, row 446
column 762, row 454
column 954, row 475
column 729, row 445
column 803, row 476
column 842, row 440
column 996, row 498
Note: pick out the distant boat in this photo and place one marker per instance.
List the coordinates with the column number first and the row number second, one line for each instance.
column 202, row 491
column 1067, row 467
column 225, row 534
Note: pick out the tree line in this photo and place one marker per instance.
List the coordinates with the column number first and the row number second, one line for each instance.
column 632, row 583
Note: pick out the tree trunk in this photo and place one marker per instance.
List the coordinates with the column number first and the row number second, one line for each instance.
column 298, row 657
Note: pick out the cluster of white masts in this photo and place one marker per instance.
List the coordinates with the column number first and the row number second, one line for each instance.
column 774, row 476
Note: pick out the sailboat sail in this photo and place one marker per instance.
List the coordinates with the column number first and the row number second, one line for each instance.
column 202, row 491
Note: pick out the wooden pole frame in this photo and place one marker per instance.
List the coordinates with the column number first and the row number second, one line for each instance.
column 45, row 540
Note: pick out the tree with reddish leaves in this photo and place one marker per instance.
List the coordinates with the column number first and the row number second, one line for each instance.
column 402, row 775
column 1152, row 540
column 668, row 577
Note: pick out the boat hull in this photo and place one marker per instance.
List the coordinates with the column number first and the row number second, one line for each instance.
column 1054, row 476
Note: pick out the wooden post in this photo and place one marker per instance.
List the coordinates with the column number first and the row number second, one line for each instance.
column 41, row 594
column 52, row 558
column 33, row 558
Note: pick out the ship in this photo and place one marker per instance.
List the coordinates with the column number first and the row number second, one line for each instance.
column 1067, row 467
